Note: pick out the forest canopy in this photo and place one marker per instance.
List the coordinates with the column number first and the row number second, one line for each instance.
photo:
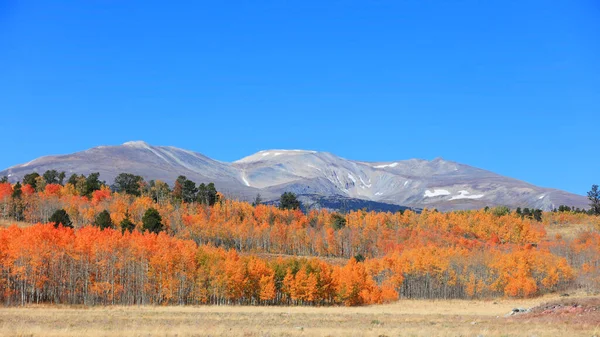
column 190, row 245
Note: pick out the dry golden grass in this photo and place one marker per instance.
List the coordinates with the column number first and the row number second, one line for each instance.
column 567, row 231
column 404, row 318
column 7, row 223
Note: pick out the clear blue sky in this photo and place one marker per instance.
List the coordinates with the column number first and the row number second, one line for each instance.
column 508, row 86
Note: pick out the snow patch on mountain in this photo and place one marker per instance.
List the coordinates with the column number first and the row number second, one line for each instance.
column 244, row 178
column 435, row 193
column 270, row 155
column 386, row 165
column 140, row 144
column 175, row 158
column 351, row 177
column 363, row 182
column 316, row 168
column 146, row 147
column 411, row 182
column 28, row 163
column 466, row 195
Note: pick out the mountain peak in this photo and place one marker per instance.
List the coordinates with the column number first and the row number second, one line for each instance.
column 287, row 151
column 137, row 143
column 272, row 154
column 437, row 183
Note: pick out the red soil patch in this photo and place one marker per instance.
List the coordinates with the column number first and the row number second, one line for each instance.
column 577, row 310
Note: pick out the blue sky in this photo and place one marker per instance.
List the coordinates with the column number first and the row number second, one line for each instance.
column 508, row 86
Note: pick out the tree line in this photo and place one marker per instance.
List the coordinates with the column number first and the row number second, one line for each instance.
column 382, row 256
column 131, row 184
column 90, row 266
column 462, row 254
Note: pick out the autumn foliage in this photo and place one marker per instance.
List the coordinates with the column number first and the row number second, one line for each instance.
column 234, row 253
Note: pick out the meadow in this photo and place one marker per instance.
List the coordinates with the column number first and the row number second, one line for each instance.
column 403, row 318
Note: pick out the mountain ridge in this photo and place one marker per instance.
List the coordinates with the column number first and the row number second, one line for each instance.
column 417, row 183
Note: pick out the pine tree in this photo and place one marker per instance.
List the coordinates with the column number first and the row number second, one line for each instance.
column 103, row 220
column 60, row 217
column 128, row 183
column 289, row 200
column 126, row 224
column 257, row 200
column 152, row 221
column 30, row 179
column 594, row 197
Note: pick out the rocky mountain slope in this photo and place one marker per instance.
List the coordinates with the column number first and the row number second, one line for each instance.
column 416, row 183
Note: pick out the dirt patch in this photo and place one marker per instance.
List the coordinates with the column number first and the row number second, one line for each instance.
column 584, row 311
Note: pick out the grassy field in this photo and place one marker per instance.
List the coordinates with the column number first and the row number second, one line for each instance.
column 7, row 223
column 404, row 318
column 567, row 231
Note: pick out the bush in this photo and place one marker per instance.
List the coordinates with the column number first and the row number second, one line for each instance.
column 500, row 211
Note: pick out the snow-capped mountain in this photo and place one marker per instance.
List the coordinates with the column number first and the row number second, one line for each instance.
column 418, row 183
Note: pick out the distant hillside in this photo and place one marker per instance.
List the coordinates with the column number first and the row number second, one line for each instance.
column 341, row 203
column 320, row 177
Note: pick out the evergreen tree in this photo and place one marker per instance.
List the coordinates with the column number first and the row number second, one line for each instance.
column 213, row 197
column 537, row 215
column 338, row 221
column 73, row 179
column 128, row 183
column 103, row 220
column 61, row 177
column 189, row 191
column 257, row 200
column 60, row 217
column 126, row 224
column 30, row 179
column 359, row 257
column 17, row 191
column 92, row 183
column 594, row 197
column 185, row 189
column 17, row 207
column 51, row 177
column 202, row 195
column 152, row 221
column 289, row 200
column 4, row 179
